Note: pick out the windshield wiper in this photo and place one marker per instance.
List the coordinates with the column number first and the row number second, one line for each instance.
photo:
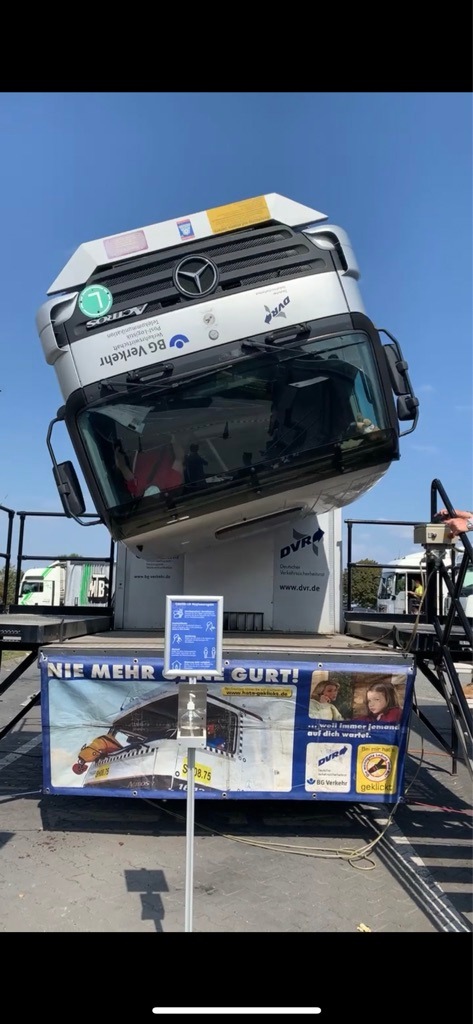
column 117, row 387
column 187, row 378
column 286, row 335
column 148, row 387
column 158, row 378
column 153, row 382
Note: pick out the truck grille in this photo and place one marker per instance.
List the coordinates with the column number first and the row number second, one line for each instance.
column 246, row 259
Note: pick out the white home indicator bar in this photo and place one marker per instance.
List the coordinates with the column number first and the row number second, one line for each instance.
column 236, row 1009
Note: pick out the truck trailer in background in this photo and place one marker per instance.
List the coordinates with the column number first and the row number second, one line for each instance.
column 65, row 582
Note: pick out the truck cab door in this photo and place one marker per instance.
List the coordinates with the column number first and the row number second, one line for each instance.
column 48, row 595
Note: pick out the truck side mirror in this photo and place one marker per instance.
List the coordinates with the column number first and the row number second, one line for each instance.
column 407, row 403
column 398, row 368
column 407, row 406
column 69, row 489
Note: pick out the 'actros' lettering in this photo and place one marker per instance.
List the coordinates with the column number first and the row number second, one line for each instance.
column 119, row 315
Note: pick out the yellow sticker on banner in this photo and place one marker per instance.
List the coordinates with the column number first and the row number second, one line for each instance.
column 257, row 691
column 102, row 772
column 238, row 215
column 201, row 772
column 376, row 768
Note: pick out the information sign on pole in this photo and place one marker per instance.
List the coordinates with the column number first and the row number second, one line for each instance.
column 193, row 636
column 192, row 647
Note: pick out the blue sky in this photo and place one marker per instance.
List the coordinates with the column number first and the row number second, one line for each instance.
column 393, row 169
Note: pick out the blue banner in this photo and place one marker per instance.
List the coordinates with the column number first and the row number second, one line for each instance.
column 275, row 730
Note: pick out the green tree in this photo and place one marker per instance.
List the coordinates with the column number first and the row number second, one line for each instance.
column 11, row 584
column 365, row 576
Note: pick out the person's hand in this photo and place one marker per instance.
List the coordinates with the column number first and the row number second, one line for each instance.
column 461, row 522
column 457, row 511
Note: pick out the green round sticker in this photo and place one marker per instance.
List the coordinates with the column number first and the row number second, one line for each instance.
column 95, row 300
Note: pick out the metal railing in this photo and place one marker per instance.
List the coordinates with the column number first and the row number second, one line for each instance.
column 23, row 557
column 455, row 585
column 435, row 659
column 79, row 560
column 6, row 555
column 29, row 647
column 351, row 565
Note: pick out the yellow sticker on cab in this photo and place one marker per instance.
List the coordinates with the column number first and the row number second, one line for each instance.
column 238, row 215
column 102, row 772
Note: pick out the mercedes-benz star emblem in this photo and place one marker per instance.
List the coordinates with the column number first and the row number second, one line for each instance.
column 195, row 276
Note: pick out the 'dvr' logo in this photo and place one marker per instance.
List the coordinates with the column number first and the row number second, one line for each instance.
column 302, row 540
column 278, row 310
column 330, row 757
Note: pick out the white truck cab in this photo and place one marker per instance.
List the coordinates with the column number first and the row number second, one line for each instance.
column 43, row 585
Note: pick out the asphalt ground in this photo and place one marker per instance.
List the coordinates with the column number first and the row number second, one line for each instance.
column 281, row 870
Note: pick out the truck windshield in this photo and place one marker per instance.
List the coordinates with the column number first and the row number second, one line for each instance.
column 387, row 585
column 31, row 587
column 241, row 425
column 391, row 584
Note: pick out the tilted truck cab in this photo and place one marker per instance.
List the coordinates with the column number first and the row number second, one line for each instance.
column 220, row 376
column 226, row 395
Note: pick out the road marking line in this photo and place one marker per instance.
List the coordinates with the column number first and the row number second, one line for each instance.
column 416, row 877
column 10, row 758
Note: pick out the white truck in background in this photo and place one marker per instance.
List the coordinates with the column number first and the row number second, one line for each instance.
column 398, row 578
column 67, row 583
column 43, row 585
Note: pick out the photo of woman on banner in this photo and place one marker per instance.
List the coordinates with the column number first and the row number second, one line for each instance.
column 323, row 695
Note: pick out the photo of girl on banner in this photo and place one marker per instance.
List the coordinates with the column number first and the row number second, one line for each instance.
column 379, row 698
column 360, row 696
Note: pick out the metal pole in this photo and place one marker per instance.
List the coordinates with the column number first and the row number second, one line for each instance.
column 189, row 838
column 110, row 574
column 19, row 558
column 432, row 590
column 349, row 558
column 8, row 559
